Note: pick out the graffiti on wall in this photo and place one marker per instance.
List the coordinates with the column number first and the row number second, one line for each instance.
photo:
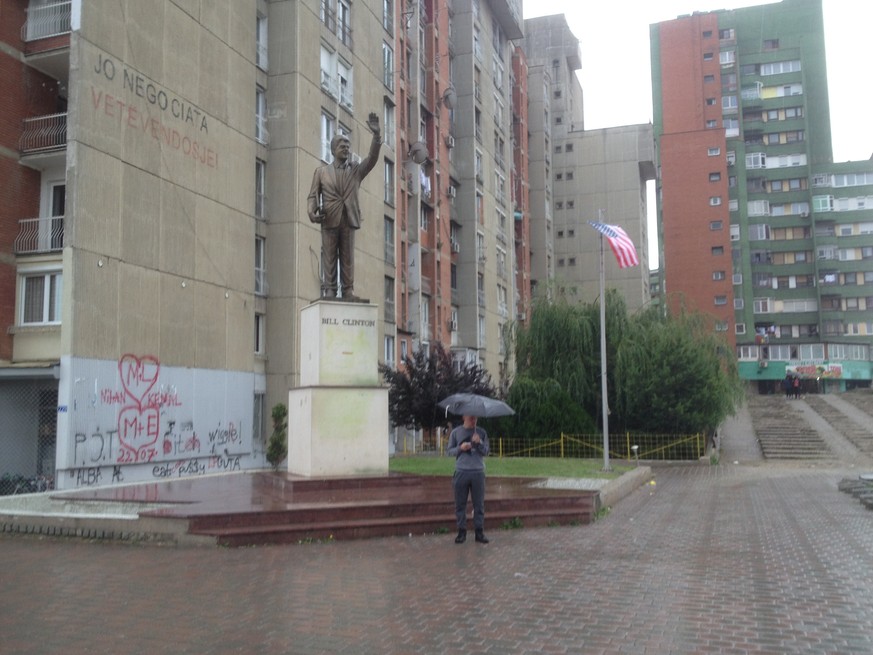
column 138, row 421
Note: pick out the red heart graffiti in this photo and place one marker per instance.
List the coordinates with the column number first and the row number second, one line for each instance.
column 138, row 429
column 138, row 375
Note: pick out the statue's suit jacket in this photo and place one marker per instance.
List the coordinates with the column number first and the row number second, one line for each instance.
column 338, row 189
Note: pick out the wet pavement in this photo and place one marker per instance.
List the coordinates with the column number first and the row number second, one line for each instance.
column 708, row 559
column 752, row 557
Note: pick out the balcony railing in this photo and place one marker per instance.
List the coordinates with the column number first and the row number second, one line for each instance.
column 47, row 20
column 36, row 235
column 44, row 133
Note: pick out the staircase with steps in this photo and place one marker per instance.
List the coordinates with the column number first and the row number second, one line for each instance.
column 860, row 436
column 783, row 432
column 325, row 509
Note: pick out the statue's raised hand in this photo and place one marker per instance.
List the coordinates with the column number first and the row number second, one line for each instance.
column 373, row 122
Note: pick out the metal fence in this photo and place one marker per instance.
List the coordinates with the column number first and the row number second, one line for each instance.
column 28, row 435
column 627, row 445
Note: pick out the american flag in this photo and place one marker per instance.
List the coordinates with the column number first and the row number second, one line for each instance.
column 620, row 242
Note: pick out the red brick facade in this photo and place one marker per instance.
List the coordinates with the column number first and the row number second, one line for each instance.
column 694, row 173
column 26, row 92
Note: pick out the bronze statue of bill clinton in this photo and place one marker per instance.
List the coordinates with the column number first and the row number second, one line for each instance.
column 333, row 204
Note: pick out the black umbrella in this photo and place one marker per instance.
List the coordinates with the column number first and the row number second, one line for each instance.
column 472, row 404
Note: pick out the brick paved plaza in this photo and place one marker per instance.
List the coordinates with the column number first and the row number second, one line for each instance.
column 710, row 559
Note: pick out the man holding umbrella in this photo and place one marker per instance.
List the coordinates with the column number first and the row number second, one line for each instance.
column 469, row 445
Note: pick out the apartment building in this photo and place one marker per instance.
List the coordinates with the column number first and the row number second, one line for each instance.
column 580, row 175
column 760, row 229
column 456, row 236
column 155, row 250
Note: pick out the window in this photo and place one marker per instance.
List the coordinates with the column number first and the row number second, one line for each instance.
column 714, row 201
column 569, row 147
column 758, row 208
column 260, row 266
column 739, row 303
column 710, row 102
column 714, row 177
column 344, row 21
column 389, row 182
column 344, row 82
column 261, row 42
column 389, row 351
column 261, row 114
column 756, row 160
column 707, row 56
column 388, row 126
column 718, row 275
column 771, row 44
column 716, row 225
column 41, row 298
column 779, row 67
column 762, row 305
column 260, row 189
column 708, row 78
column 260, row 334
column 713, row 152
column 388, row 66
column 740, row 328
column 717, row 250
column 389, row 240
column 328, row 129
column 729, row 103
column 388, row 15
column 712, row 123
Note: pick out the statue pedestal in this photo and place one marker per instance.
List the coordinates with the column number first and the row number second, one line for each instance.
column 338, row 417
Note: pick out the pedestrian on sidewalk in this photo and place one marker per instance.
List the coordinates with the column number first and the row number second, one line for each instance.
column 795, row 386
column 468, row 444
column 786, row 385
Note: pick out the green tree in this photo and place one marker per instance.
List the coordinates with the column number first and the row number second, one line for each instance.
column 277, row 448
column 424, row 379
column 543, row 410
column 664, row 374
column 674, row 374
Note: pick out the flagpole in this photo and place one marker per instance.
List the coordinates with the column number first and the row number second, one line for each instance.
column 603, row 389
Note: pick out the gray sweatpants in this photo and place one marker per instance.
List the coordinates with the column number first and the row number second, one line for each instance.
column 469, row 483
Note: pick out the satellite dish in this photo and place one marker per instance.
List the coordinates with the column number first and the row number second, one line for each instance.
column 418, row 152
column 450, row 98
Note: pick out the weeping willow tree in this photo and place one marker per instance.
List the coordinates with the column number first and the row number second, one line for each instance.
column 562, row 343
column 674, row 375
column 543, row 410
column 670, row 375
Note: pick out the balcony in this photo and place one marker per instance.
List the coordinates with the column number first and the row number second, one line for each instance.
column 43, row 134
column 47, row 20
column 39, row 235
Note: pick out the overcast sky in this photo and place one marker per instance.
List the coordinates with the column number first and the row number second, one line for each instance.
column 616, row 65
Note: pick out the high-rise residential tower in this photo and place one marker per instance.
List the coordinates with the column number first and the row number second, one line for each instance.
column 760, row 229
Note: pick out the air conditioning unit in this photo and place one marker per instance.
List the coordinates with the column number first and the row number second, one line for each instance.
column 456, row 247
column 450, row 141
column 453, row 325
column 451, row 192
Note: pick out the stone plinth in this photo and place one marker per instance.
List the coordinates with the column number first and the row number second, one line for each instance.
column 338, row 417
column 339, row 344
column 335, row 431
